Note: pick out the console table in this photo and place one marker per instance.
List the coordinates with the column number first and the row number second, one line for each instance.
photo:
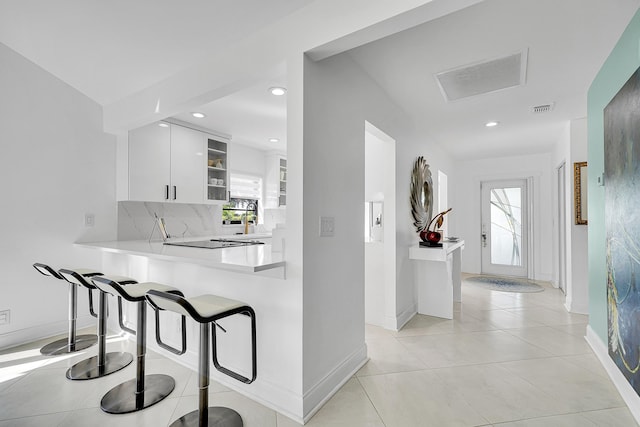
column 437, row 277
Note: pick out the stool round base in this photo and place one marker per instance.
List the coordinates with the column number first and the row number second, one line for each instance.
column 122, row 399
column 88, row 369
column 61, row 346
column 218, row 417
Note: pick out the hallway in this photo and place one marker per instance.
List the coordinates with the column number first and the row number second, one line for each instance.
column 507, row 359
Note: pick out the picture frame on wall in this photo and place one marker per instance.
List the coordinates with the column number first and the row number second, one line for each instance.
column 580, row 192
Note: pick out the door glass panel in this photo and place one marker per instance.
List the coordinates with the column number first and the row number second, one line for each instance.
column 506, row 226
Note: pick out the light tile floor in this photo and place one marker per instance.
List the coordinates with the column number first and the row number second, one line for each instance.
column 508, row 360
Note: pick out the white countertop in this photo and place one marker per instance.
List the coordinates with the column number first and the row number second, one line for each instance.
column 434, row 254
column 247, row 259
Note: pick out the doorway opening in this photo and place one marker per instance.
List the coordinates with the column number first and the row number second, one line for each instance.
column 562, row 228
column 380, row 228
column 505, row 227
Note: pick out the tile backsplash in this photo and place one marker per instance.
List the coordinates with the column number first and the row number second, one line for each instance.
column 136, row 220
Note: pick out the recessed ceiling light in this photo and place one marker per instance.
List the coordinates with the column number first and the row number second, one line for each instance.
column 277, row 91
column 491, row 124
column 163, row 125
column 274, row 140
column 198, row 115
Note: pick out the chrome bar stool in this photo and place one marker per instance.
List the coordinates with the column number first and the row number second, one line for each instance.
column 73, row 342
column 144, row 390
column 207, row 309
column 104, row 363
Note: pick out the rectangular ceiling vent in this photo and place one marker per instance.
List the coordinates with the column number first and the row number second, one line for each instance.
column 542, row 108
column 483, row 77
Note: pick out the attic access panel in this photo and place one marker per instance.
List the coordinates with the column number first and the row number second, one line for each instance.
column 483, row 77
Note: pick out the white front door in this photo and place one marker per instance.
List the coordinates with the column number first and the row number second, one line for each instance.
column 504, row 233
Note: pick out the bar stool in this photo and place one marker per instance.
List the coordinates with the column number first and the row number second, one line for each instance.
column 104, row 363
column 73, row 342
column 207, row 309
column 144, row 390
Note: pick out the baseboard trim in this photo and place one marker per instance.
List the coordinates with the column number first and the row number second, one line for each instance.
column 627, row 392
column 42, row 331
column 324, row 389
column 404, row 317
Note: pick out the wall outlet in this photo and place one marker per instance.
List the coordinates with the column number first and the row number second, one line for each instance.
column 5, row 317
column 89, row 220
column 327, row 226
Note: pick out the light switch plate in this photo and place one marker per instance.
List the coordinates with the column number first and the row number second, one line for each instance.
column 5, row 317
column 89, row 220
column 327, row 226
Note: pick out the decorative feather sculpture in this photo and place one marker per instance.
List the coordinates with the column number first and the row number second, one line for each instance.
column 421, row 194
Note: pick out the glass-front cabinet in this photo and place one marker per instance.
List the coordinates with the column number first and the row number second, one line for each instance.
column 217, row 170
column 282, row 196
column 276, row 181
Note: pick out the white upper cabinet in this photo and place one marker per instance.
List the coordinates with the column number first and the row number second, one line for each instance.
column 150, row 163
column 187, row 165
column 167, row 164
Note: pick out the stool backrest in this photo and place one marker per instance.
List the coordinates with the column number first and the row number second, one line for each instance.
column 46, row 270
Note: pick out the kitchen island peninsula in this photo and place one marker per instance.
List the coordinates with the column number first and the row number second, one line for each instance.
column 251, row 273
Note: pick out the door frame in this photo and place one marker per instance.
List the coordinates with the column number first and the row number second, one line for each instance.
column 527, row 223
column 561, row 181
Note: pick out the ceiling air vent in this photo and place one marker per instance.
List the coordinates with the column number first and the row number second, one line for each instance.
column 542, row 108
column 483, row 77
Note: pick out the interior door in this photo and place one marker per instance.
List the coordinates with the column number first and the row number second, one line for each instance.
column 504, row 233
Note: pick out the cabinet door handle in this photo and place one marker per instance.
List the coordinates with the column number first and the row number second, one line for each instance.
column 166, row 192
column 175, row 192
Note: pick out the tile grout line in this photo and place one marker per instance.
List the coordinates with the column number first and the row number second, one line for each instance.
column 371, row 401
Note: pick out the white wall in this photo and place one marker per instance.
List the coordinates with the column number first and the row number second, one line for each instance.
column 572, row 148
column 467, row 197
column 339, row 98
column 578, row 287
column 562, row 154
column 245, row 159
column 57, row 165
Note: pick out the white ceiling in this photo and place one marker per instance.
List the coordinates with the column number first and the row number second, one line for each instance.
column 251, row 116
column 111, row 50
column 567, row 42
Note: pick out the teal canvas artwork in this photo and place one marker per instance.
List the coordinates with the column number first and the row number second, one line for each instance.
column 622, row 225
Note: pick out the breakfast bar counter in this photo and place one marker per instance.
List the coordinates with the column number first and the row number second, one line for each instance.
column 244, row 259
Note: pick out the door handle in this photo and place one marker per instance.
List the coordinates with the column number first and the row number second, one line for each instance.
column 484, row 240
column 175, row 192
column 166, row 192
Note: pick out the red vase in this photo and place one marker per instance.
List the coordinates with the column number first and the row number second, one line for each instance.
column 430, row 236
column 433, row 237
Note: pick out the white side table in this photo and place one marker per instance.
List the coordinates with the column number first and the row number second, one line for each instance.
column 437, row 278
